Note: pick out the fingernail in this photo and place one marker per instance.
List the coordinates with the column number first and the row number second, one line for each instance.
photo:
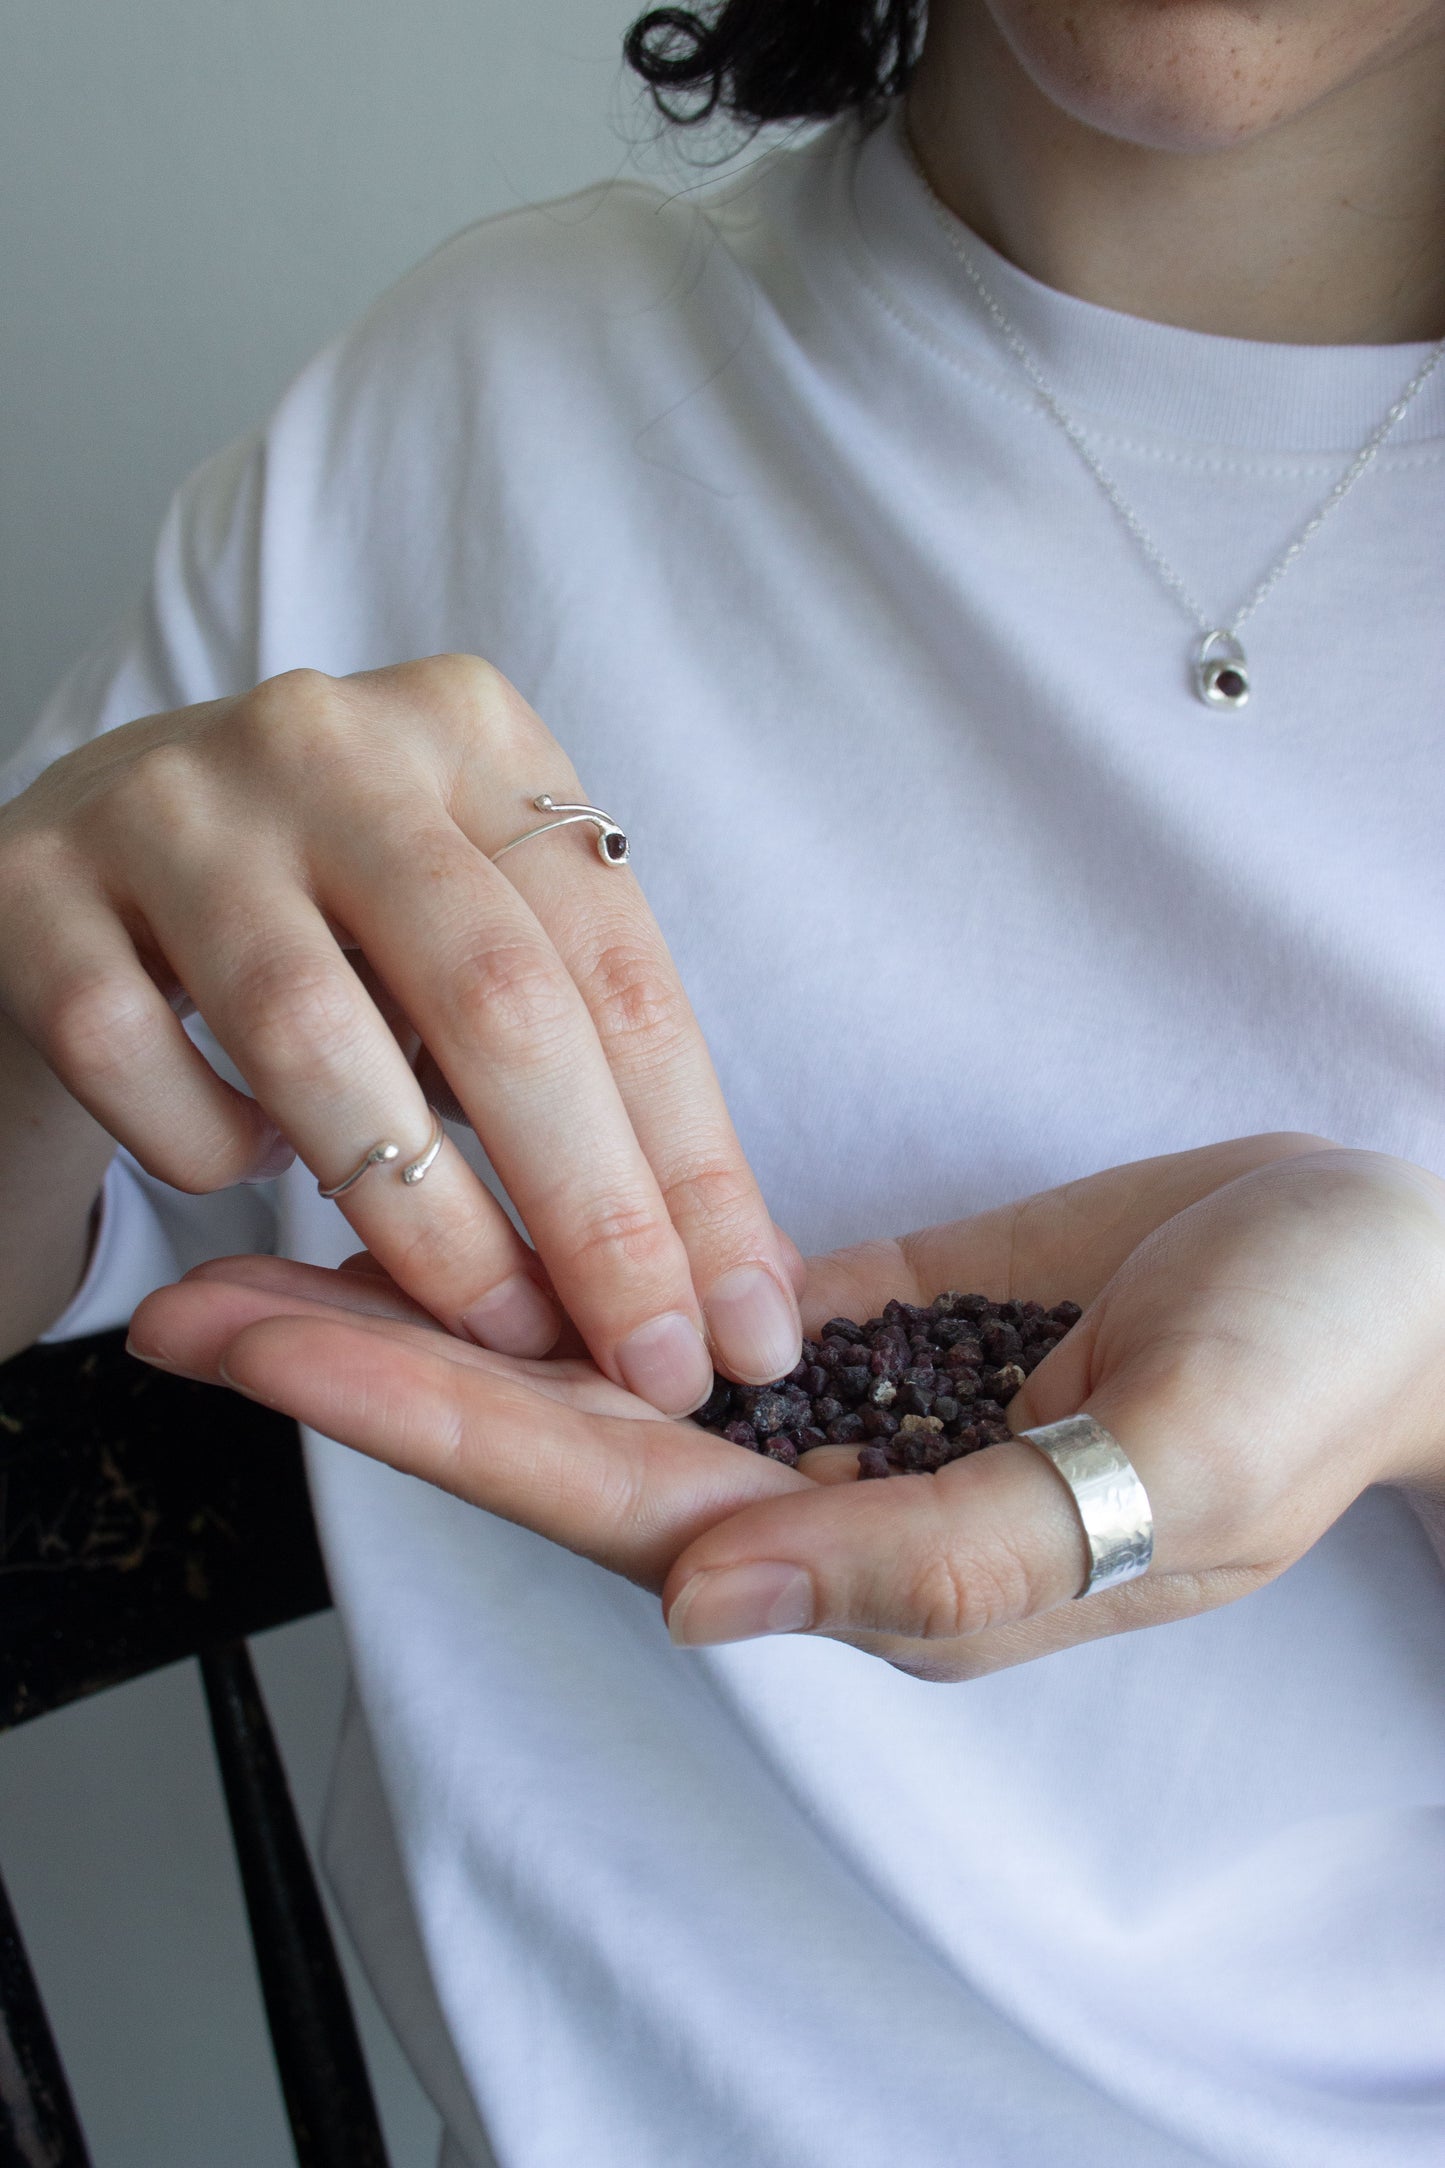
column 159, row 1362
column 666, row 1363
column 144, row 1355
column 280, row 1154
column 514, row 1319
column 737, row 1603
column 755, row 1327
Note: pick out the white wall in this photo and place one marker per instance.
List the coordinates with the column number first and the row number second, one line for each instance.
column 194, row 195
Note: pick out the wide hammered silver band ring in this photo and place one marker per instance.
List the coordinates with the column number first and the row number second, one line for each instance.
column 1113, row 1504
column 612, row 845
column 382, row 1155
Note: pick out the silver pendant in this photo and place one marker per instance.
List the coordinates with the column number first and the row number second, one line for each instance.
column 1221, row 673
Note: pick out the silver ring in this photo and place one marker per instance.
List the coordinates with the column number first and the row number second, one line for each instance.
column 381, row 1155
column 612, row 845
column 1113, row 1504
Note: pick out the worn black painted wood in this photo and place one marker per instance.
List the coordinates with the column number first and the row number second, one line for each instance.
column 323, row 2074
column 143, row 1519
column 38, row 2123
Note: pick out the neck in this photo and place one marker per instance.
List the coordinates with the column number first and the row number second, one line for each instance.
column 1327, row 228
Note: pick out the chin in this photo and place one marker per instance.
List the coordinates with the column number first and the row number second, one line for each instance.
column 1198, row 75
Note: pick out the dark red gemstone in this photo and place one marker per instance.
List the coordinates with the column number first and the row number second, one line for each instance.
column 616, row 846
column 1231, row 684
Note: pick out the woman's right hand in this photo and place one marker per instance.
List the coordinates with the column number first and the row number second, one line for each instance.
column 309, row 865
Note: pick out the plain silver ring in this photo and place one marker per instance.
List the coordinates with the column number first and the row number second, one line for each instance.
column 382, row 1155
column 1105, row 1487
column 612, row 844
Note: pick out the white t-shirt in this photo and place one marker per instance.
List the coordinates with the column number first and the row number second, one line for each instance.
column 971, row 896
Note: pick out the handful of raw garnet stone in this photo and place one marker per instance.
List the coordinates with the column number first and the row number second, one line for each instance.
column 912, row 1389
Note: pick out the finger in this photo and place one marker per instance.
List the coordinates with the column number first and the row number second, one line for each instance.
column 187, row 1326
column 794, row 1264
column 359, row 1284
column 625, row 1493
column 270, row 979
column 362, row 1261
column 988, row 1540
column 568, row 1345
column 498, row 1009
column 610, row 943
column 81, row 993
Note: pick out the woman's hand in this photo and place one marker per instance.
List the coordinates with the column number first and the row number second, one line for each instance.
column 243, row 855
column 1264, row 1354
column 1265, row 1333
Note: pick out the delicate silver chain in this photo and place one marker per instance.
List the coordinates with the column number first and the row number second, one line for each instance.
column 1147, row 545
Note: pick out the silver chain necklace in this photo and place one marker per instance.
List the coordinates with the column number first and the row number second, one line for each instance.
column 1221, row 669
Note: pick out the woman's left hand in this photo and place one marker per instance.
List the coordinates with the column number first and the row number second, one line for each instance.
column 1264, row 1335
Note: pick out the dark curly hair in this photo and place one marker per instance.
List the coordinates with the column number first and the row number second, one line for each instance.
column 764, row 61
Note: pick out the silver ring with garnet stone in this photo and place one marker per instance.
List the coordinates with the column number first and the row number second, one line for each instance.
column 612, row 845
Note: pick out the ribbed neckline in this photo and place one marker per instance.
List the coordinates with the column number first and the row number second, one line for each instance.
column 1110, row 367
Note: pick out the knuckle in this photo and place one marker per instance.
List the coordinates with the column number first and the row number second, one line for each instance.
column 200, row 1170
column 96, row 1025
column 493, row 712
column 474, row 695
column 633, row 996
column 719, row 1196
column 158, row 792
column 939, row 1603
column 300, row 713
column 614, row 1234
column 297, row 1014
column 34, row 859
column 489, row 718
column 428, row 1253
column 953, row 1593
column 513, row 992
column 455, row 676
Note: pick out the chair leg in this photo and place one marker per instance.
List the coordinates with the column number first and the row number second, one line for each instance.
column 38, row 2124
column 313, row 2033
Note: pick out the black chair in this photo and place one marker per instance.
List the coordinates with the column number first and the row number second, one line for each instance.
column 144, row 1519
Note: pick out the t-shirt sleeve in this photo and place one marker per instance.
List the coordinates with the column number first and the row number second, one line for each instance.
column 147, row 1234
column 191, row 637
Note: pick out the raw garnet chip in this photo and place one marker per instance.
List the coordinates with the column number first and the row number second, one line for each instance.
column 913, row 1389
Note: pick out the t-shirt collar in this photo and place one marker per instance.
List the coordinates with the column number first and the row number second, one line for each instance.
column 1100, row 362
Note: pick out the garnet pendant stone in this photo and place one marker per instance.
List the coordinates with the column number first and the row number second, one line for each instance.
column 1221, row 674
